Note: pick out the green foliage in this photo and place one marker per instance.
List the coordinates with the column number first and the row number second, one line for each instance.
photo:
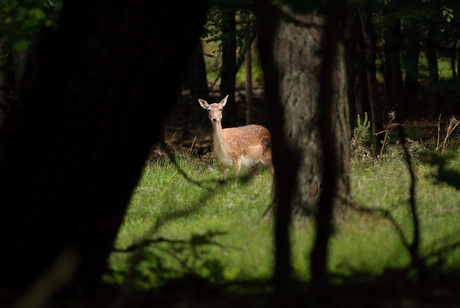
column 245, row 25
column 213, row 37
column 361, row 132
column 21, row 20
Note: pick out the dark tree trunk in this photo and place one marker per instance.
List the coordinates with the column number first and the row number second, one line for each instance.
column 333, row 124
column 433, row 69
column 376, row 110
column 411, row 62
column 248, row 85
column 351, row 47
column 432, row 59
column 19, row 62
column 362, row 86
column 292, row 95
column 228, row 74
column 8, row 81
column 195, row 80
column 72, row 150
column 453, row 58
column 5, row 86
column 298, row 61
column 392, row 58
column 285, row 158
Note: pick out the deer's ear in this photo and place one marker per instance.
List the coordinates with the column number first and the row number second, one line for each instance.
column 224, row 101
column 203, row 104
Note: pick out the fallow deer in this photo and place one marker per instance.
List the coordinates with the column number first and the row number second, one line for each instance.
column 236, row 146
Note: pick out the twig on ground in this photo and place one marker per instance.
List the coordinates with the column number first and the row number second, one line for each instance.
column 191, row 147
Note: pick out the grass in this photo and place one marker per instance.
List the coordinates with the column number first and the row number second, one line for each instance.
column 362, row 243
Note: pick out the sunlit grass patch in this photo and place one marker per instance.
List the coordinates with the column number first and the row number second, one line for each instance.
column 168, row 206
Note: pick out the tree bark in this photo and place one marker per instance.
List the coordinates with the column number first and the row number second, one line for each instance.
column 93, row 100
column 298, row 63
column 285, row 158
column 292, row 93
column 334, row 132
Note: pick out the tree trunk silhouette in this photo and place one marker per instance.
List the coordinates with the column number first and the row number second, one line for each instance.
column 297, row 59
column 433, row 69
column 411, row 62
column 453, row 58
column 248, row 85
column 393, row 77
column 362, row 71
column 334, row 132
column 292, row 96
column 351, row 56
column 370, row 35
column 72, row 150
column 285, row 158
column 195, row 80
column 228, row 74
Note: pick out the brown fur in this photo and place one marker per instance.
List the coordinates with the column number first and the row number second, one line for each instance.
column 236, row 146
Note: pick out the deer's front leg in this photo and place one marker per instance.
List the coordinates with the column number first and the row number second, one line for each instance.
column 237, row 166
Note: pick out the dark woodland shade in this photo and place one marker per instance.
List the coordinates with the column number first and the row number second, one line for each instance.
column 72, row 150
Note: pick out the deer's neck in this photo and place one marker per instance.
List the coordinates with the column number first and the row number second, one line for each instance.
column 217, row 135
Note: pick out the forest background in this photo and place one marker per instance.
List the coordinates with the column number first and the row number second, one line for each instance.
column 359, row 215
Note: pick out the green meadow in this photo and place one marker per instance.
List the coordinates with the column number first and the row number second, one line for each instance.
column 218, row 231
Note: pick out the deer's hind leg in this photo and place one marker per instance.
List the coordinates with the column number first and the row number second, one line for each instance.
column 223, row 168
column 267, row 161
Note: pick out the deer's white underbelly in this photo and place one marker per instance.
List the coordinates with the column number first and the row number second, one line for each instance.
column 248, row 162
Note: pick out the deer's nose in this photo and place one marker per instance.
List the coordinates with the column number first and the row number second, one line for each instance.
column 214, row 119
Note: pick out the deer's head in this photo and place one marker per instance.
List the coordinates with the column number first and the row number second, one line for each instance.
column 214, row 110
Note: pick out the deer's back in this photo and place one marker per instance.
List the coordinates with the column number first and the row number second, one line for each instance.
column 249, row 141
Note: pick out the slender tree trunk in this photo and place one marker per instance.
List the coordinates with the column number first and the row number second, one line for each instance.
column 228, row 75
column 248, row 67
column 351, row 47
column 453, row 57
column 432, row 59
column 387, row 73
column 92, row 104
column 411, row 62
column 392, row 57
column 371, row 52
column 362, row 86
column 195, row 80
